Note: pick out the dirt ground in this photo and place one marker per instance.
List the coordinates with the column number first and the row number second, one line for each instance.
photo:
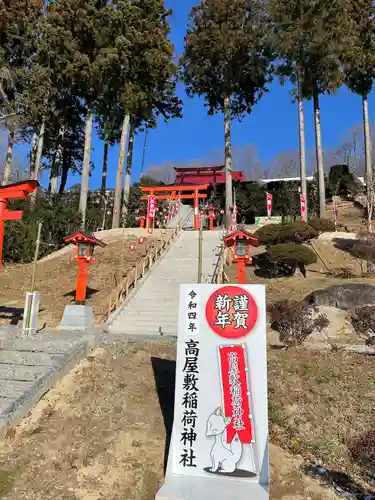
column 56, row 280
column 100, row 433
column 319, row 402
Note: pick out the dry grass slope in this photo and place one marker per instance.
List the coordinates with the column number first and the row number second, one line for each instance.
column 56, row 280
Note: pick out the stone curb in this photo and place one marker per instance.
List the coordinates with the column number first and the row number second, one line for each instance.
column 22, row 405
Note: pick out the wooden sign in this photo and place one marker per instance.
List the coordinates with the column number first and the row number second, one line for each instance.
column 219, row 445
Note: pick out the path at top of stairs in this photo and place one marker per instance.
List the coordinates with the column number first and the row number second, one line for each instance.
column 153, row 308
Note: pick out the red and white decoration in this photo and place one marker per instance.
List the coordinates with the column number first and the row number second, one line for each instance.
column 151, row 207
column 235, row 391
column 269, row 205
column 303, row 207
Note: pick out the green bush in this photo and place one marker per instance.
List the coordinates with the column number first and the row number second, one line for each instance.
column 291, row 252
column 322, row 225
column 60, row 217
column 293, row 232
column 283, row 259
column 268, row 235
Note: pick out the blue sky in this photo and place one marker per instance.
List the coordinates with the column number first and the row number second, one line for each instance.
column 272, row 127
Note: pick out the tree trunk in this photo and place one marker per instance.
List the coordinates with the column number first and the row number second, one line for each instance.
column 64, row 174
column 228, row 163
column 368, row 163
column 144, row 152
column 302, row 151
column 34, row 146
column 86, row 169
column 319, row 157
column 105, row 167
column 120, row 174
column 55, row 168
column 38, row 159
column 8, row 158
column 129, row 162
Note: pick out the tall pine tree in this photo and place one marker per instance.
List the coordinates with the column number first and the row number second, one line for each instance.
column 18, row 19
column 140, row 71
column 359, row 64
column 312, row 38
column 227, row 61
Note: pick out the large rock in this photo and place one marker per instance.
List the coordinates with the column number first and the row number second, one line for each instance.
column 343, row 296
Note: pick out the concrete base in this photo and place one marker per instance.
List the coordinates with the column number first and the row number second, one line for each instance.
column 179, row 487
column 77, row 318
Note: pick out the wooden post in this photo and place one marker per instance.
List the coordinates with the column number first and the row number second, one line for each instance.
column 320, row 257
column 200, row 251
column 196, row 211
column 36, row 255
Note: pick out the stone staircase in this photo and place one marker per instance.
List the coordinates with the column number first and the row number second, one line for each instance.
column 152, row 309
column 187, row 217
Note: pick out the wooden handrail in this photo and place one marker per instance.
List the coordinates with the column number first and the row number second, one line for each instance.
column 224, row 260
column 130, row 280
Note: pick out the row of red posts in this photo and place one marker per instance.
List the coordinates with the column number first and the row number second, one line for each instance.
column 150, row 212
column 209, row 212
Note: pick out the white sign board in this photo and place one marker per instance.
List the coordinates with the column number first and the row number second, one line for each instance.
column 219, row 443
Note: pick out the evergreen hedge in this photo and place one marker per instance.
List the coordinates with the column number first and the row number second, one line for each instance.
column 293, row 232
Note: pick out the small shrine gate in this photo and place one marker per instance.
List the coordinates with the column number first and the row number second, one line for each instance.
column 190, row 191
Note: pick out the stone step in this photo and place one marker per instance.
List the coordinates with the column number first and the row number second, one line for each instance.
column 13, row 388
column 151, row 309
column 147, row 314
column 37, row 345
column 147, row 323
column 28, row 358
column 152, row 330
column 156, row 314
column 20, row 372
column 5, row 403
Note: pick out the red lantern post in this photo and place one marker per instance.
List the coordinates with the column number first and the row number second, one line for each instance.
column 85, row 245
column 241, row 241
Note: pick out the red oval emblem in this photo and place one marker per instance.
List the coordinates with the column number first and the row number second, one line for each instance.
column 231, row 312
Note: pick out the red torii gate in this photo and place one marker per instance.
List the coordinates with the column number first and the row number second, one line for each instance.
column 17, row 191
column 170, row 193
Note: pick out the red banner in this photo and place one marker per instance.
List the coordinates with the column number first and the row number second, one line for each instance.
column 303, row 206
column 151, row 207
column 269, row 205
column 235, row 392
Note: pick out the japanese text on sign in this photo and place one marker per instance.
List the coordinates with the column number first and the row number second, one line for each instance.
column 151, row 207
column 192, row 312
column 240, row 307
column 236, row 392
column 189, row 403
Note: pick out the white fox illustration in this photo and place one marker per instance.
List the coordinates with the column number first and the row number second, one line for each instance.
column 224, row 456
